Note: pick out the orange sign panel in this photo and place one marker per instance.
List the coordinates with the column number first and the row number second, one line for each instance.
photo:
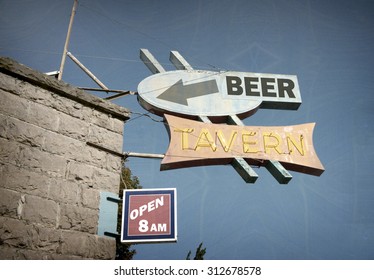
column 194, row 143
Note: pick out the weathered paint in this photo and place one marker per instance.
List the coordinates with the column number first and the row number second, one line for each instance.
column 217, row 94
column 194, row 143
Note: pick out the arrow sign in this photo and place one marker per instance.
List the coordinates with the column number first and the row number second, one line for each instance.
column 179, row 93
column 217, row 94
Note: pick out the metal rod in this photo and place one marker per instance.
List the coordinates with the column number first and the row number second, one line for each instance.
column 116, row 200
column 112, row 234
column 143, row 155
column 118, row 95
column 110, row 90
column 73, row 11
column 88, row 72
column 105, row 149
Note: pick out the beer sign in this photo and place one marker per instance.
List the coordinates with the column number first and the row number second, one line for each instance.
column 227, row 96
column 217, row 94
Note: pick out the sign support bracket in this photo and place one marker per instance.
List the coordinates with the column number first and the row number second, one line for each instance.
column 179, row 62
column 239, row 163
column 278, row 171
column 274, row 167
column 88, row 72
column 108, row 209
column 151, row 62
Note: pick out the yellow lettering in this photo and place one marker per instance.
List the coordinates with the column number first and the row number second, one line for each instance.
column 299, row 146
column 271, row 144
column 222, row 139
column 185, row 132
column 205, row 140
column 247, row 143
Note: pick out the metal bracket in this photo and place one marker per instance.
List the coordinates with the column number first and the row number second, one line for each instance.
column 85, row 70
column 108, row 212
column 151, row 62
column 239, row 163
column 274, row 167
column 111, row 234
column 105, row 149
column 244, row 170
column 179, row 62
column 53, row 73
column 278, row 171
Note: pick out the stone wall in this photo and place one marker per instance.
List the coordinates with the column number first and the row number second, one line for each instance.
column 52, row 168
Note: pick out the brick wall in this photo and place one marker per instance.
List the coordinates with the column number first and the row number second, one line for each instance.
column 50, row 178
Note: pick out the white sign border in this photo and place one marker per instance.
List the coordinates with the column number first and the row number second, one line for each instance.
column 150, row 238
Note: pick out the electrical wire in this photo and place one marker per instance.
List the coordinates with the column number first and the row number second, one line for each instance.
column 118, row 22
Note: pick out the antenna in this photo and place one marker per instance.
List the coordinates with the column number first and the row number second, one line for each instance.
column 58, row 74
column 67, row 40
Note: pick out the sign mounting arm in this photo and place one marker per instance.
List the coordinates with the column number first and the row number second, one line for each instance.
column 179, row 62
column 151, row 62
column 274, row 167
column 239, row 164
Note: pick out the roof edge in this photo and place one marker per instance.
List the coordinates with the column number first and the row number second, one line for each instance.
column 15, row 69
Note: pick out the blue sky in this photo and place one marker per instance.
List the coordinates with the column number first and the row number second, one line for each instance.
column 327, row 44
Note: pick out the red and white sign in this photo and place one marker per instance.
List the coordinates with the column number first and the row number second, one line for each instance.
column 149, row 216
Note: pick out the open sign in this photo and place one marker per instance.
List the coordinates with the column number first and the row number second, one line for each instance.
column 149, row 216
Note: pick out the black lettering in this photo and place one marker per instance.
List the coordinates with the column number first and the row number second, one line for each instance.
column 265, row 86
column 171, row 271
column 120, row 271
column 233, row 85
column 248, row 81
column 286, row 85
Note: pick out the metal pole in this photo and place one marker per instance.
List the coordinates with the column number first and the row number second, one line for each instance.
column 67, row 40
column 144, row 155
column 110, row 90
column 88, row 72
